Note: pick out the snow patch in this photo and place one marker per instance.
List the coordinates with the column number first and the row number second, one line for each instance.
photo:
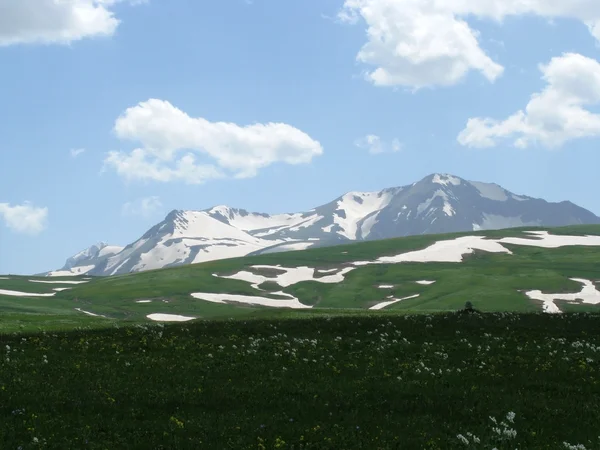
column 57, row 282
column 24, row 294
column 291, row 276
column 356, row 206
column 110, row 250
column 72, row 272
column 589, row 294
column 425, row 282
column 90, row 313
column 306, row 223
column 447, row 208
column 367, row 225
column 288, row 247
column 60, row 289
column 293, row 302
column 385, row 286
column 254, row 221
column 143, row 301
column 553, row 240
column 168, row 317
column 391, row 302
column 445, row 179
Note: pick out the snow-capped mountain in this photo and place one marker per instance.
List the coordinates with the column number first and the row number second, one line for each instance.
column 86, row 260
column 438, row 203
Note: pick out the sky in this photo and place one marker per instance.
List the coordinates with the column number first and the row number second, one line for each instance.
column 115, row 112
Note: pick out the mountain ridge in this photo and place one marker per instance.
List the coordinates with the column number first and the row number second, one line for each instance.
column 438, row 203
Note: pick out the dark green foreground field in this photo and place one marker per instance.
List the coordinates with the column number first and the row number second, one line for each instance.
column 380, row 381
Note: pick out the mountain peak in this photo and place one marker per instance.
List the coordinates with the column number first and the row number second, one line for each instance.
column 173, row 215
column 444, row 179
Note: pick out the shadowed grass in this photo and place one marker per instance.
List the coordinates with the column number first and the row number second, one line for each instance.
column 377, row 381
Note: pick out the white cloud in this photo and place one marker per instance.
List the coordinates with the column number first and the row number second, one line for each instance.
column 176, row 146
column 144, row 207
column 75, row 152
column 25, row 218
column 55, row 21
column 374, row 145
column 553, row 116
column 420, row 43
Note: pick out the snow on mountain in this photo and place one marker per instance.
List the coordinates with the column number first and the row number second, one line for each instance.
column 184, row 237
column 243, row 220
column 109, row 250
column 438, row 203
column 356, row 207
column 86, row 260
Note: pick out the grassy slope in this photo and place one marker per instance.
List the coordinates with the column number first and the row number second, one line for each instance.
column 377, row 382
column 491, row 281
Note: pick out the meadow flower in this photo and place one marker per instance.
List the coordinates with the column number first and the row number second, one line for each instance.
column 462, row 439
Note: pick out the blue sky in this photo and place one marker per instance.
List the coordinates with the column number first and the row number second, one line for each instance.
column 158, row 75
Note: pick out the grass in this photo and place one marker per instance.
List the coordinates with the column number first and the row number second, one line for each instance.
column 494, row 282
column 358, row 381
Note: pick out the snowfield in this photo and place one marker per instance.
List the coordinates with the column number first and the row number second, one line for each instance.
column 57, row 282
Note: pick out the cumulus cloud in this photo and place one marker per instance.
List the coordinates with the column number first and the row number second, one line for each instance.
column 56, row 21
column 25, row 218
column 420, row 43
column 144, row 207
column 553, row 116
column 177, row 147
column 374, row 145
column 75, row 152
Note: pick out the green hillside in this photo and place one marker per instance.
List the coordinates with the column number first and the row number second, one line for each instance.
column 491, row 281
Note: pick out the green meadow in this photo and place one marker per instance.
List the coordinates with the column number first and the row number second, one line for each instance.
column 491, row 281
column 370, row 381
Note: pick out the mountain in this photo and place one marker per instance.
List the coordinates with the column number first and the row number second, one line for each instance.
column 86, row 260
column 439, row 203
